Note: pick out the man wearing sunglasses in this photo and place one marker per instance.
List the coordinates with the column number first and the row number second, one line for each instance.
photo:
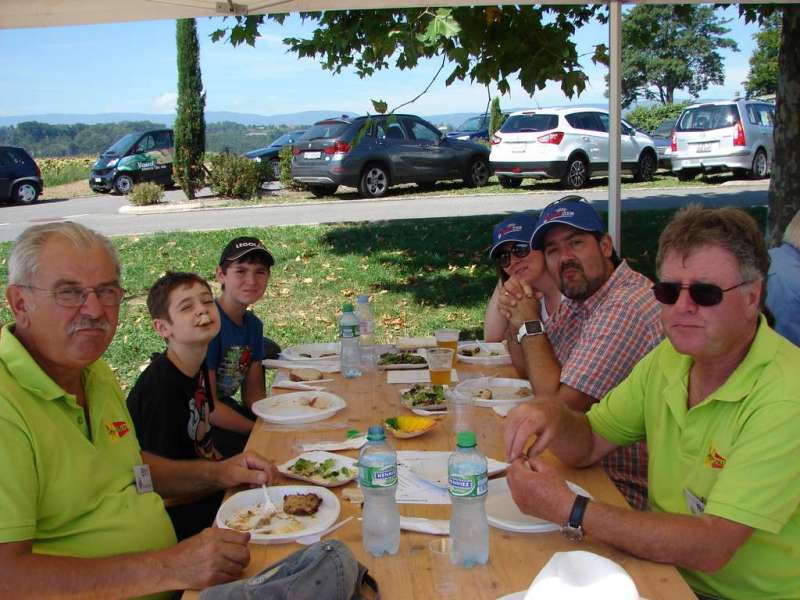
column 80, row 510
column 607, row 322
column 718, row 403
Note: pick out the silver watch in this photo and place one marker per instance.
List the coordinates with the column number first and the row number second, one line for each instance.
column 530, row 328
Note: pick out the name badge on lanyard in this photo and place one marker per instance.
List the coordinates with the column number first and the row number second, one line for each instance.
column 695, row 505
column 144, row 483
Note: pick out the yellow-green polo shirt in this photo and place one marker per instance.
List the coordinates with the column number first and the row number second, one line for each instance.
column 69, row 490
column 738, row 452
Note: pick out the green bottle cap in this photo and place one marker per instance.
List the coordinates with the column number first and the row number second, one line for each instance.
column 465, row 439
column 347, row 307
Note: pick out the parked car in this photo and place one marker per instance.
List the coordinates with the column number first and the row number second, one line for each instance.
column 722, row 136
column 270, row 154
column 662, row 139
column 570, row 144
column 375, row 152
column 20, row 176
column 140, row 156
column 474, row 128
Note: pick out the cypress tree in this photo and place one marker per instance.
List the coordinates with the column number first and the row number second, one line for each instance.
column 495, row 117
column 190, row 124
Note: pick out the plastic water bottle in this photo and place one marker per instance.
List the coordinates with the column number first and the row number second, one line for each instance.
column 348, row 336
column 468, row 483
column 377, row 477
column 366, row 331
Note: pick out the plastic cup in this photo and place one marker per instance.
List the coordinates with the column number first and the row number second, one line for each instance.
column 448, row 338
column 440, row 363
column 442, row 570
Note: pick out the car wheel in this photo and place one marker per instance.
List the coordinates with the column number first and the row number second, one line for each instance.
column 647, row 167
column 577, row 174
column 275, row 168
column 759, row 170
column 374, row 181
column 323, row 190
column 509, row 182
column 123, row 184
column 478, row 173
column 685, row 175
column 25, row 193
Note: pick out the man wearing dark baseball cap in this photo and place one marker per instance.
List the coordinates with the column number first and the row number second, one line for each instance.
column 606, row 323
column 239, row 247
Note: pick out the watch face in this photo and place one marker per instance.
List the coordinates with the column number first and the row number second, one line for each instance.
column 533, row 327
column 574, row 534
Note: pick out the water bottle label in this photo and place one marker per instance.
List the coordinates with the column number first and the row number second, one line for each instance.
column 348, row 331
column 377, row 477
column 468, row 486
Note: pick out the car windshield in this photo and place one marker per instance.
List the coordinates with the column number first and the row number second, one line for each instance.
column 529, row 122
column 325, row 129
column 709, row 116
column 122, row 145
column 474, row 124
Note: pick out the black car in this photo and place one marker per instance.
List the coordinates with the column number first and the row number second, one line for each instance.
column 271, row 152
column 374, row 152
column 20, row 176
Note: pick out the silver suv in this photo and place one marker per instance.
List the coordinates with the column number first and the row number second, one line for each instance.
column 570, row 144
column 722, row 136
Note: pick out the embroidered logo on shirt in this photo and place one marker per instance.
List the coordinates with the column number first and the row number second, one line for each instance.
column 714, row 459
column 116, row 429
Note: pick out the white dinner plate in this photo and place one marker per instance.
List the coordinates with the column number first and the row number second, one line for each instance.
column 503, row 390
column 502, row 512
column 482, row 358
column 514, row 596
column 433, row 469
column 325, row 517
column 319, row 456
column 313, row 352
column 293, row 408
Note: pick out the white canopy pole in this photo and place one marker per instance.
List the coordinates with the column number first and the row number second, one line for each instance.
column 615, row 116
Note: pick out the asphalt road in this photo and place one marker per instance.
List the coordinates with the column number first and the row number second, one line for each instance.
column 101, row 212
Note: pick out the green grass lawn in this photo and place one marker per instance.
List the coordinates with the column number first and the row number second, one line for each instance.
column 420, row 274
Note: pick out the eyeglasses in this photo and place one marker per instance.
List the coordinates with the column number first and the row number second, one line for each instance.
column 519, row 250
column 702, row 294
column 70, row 296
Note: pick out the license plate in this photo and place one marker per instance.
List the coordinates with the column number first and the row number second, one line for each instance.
column 518, row 148
column 97, row 180
column 704, row 148
column 312, row 155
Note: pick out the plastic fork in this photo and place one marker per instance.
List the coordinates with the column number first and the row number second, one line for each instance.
column 307, row 540
column 269, row 506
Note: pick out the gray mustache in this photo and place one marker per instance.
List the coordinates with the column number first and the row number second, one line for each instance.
column 81, row 324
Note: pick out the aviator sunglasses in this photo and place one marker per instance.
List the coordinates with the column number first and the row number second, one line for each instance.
column 702, row 294
column 519, row 250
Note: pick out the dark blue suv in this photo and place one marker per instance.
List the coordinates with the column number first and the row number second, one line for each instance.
column 474, row 128
column 20, row 177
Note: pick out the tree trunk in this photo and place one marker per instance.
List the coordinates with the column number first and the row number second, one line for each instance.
column 784, row 187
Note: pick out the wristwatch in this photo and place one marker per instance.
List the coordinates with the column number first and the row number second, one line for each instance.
column 573, row 528
column 530, row 328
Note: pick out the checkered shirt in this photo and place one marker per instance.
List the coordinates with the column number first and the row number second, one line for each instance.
column 598, row 342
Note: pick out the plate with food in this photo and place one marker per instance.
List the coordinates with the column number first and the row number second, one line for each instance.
column 402, row 360
column 406, row 426
column 432, row 467
column 321, row 468
column 483, row 353
column 301, row 510
column 298, row 407
column 311, row 352
column 503, row 513
column 421, row 395
column 491, row 391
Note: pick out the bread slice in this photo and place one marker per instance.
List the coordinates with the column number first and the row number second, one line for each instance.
column 305, row 374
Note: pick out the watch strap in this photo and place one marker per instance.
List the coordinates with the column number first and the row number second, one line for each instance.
column 535, row 327
column 578, row 509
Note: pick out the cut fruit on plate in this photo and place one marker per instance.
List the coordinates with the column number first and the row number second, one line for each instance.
column 321, row 468
column 405, row 426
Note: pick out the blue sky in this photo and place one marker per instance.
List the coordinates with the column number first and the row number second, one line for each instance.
column 131, row 68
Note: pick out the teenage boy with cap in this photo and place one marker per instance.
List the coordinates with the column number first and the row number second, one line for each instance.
column 607, row 322
column 235, row 354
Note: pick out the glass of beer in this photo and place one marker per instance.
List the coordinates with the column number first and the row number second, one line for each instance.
column 440, row 363
column 448, row 338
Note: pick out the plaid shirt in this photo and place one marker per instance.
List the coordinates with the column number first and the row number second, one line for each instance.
column 598, row 342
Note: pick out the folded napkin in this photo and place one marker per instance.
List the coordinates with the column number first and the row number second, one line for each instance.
column 351, row 444
column 581, row 575
column 433, row 526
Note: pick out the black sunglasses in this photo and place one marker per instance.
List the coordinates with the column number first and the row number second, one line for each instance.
column 702, row 294
column 520, row 250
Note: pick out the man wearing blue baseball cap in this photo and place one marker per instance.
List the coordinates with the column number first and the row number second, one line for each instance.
column 606, row 323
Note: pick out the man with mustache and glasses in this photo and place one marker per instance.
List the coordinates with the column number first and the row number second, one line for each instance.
column 79, row 516
column 718, row 402
column 607, row 321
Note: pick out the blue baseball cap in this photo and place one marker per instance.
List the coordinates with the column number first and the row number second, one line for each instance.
column 574, row 211
column 516, row 228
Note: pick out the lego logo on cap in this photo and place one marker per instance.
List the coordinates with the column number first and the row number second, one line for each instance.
column 560, row 213
column 246, row 245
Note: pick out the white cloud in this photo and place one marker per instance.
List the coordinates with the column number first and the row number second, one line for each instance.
column 166, row 102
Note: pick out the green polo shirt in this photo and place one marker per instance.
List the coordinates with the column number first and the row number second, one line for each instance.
column 737, row 452
column 68, row 485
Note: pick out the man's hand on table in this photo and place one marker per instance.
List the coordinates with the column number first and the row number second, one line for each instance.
column 539, row 490
column 246, row 468
column 538, row 420
column 518, row 302
column 211, row 557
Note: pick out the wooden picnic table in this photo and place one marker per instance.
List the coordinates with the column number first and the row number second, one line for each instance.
column 514, row 558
